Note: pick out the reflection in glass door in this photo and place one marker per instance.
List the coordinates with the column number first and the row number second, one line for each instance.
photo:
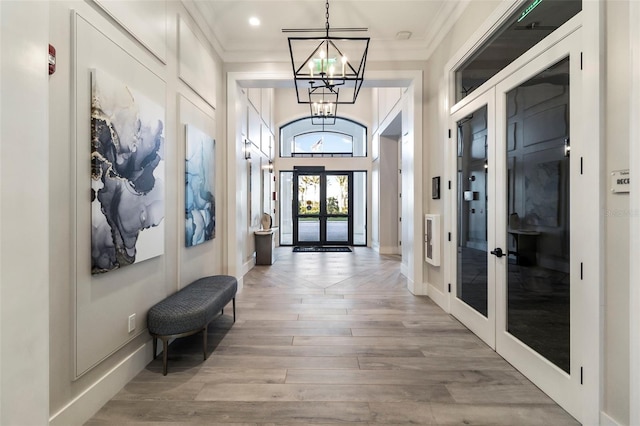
column 472, row 208
column 337, row 201
column 538, row 214
column 306, row 226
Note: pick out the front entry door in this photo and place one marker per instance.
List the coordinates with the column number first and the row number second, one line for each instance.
column 516, row 267
column 323, row 208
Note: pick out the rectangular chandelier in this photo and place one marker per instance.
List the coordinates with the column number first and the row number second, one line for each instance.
column 323, row 105
column 328, row 62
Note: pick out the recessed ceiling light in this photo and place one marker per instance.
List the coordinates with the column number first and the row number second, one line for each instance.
column 254, row 22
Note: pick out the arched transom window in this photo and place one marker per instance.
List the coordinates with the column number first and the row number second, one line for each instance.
column 301, row 138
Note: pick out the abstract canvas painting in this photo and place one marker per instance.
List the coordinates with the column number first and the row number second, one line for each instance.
column 200, row 204
column 127, row 175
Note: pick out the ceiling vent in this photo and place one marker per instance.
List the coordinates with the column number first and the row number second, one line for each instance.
column 403, row 35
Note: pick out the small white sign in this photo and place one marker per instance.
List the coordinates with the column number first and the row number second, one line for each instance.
column 620, row 181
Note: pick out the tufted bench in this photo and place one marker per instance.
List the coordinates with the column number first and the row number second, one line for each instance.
column 190, row 310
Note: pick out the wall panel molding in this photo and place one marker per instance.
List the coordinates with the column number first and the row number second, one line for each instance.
column 196, row 66
column 142, row 22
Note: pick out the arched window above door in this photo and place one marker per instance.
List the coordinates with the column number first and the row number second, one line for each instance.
column 301, row 138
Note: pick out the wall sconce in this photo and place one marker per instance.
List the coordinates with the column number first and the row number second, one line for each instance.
column 247, row 149
column 268, row 166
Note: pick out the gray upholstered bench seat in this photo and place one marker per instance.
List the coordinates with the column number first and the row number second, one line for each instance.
column 190, row 310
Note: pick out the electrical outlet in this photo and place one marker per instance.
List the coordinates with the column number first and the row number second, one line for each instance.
column 132, row 322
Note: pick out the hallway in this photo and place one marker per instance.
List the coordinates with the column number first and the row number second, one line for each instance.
column 324, row 338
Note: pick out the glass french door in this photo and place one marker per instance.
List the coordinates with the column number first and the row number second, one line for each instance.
column 516, row 273
column 323, row 208
column 474, row 288
column 538, row 285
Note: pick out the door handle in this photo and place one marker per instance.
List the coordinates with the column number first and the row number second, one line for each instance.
column 497, row 252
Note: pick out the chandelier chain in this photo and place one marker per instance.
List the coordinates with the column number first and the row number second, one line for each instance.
column 327, row 16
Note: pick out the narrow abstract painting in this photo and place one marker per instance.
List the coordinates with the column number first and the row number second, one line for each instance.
column 200, row 204
column 127, row 175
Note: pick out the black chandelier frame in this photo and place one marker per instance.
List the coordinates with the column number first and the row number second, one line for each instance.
column 350, row 76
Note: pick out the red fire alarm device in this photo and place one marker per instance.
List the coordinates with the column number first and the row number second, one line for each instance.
column 52, row 59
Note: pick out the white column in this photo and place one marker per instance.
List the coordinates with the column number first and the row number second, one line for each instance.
column 24, row 213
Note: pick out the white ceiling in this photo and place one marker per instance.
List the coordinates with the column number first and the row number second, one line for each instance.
column 237, row 41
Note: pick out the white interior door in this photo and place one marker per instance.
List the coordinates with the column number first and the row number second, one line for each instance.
column 473, row 289
column 537, row 221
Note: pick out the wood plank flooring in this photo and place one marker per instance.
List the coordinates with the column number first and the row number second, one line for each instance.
column 325, row 338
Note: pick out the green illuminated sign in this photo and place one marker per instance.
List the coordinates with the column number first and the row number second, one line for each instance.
column 529, row 9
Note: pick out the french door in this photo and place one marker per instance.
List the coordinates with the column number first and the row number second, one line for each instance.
column 516, row 261
column 474, row 289
column 322, row 208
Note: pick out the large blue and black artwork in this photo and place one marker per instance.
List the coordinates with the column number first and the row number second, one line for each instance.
column 200, row 204
column 127, row 175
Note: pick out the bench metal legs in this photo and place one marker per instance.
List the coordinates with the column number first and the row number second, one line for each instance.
column 204, row 341
column 165, row 349
column 165, row 346
column 234, row 310
column 165, row 341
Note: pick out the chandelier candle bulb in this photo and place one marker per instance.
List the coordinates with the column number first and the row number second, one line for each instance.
column 344, row 63
column 311, row 68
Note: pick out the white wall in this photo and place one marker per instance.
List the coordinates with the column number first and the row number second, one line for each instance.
column 24, row 213
column 616, row 215
column 257, row 112
column 389, row 196
column 436, row 123
column 158, row 49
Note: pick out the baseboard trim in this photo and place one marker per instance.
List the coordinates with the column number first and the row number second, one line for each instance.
column 605, row 420
column 389, row 250
column 85, row 405
column 248, row 265
column 439, row 297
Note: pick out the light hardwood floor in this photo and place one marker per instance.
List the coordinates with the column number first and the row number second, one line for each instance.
column 325, row 338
